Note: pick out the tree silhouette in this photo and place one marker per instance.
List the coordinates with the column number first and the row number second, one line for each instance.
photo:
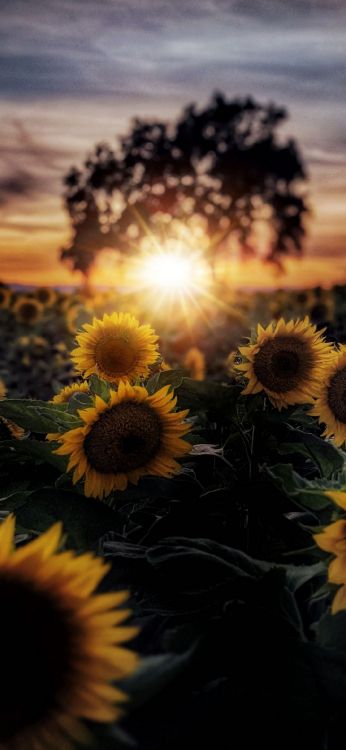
column 225, row 164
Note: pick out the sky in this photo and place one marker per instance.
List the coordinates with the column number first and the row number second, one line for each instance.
column 74, row 73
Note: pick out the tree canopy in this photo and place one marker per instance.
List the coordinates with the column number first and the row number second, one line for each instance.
column 225, row 164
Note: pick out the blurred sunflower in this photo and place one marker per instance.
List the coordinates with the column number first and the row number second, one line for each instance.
column 8, row 429
column 71, row 315
column 63, row 643
column 46, row 295
column 27, row 310
column 3, row 389
column 287, row 361
column 278, row 303
column 194, row 361
column 5, row 297
column 60, row 347
column 330, row 407
column 322, row 310
column 131, row 436
column 22, row 342
column 69, row 390
column 38, row 345
column 303, row 298
column 115, row 347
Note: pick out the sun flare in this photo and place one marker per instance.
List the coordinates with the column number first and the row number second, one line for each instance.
column 173, row 272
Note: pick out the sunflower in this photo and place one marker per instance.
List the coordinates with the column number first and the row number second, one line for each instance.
column 62, row 643
column 130, row 436
column 194, row 361
column 5, row 297
column 287, row 361
column 116, row 347
column 65, row 394
column 333, row 538
column 46, row 295
column 27, row 310
column 330, row 407
column 338, row 497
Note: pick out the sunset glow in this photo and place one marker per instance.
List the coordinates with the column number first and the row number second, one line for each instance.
column 91, row 89
column 173, row 272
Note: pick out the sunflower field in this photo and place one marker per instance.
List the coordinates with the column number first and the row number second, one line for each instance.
column 173, row 521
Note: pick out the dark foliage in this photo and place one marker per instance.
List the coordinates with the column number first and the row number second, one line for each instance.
column 227, row 587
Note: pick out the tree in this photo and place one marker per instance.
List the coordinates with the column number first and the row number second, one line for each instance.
column 225, row 164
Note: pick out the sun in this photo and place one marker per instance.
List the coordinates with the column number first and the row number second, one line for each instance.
column 173, row 275
column 172, row 271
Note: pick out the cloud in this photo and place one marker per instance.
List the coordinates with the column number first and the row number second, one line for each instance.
column 73, row 47
column 73, row 72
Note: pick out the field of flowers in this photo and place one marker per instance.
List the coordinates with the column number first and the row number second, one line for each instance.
column 173, row 506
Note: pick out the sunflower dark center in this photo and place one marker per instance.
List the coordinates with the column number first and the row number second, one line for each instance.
column 115, row 355
column 43, row 295
column 124, row 438
column 37, row 643
column 337, row 395
column 28, row 310
column 283, row 363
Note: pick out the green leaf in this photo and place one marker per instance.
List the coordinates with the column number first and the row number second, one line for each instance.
column 15, row 500
column 38, row 450
column 331, row 632
column 167, row 377
column 59, row 421
column 208, row 396
column 79, row 401
column 84, row 520
column 202, row 564
column 306, row 493
column 99, row 387
column 298, row 575
column 154, row 674
column 38, row 416
column 328, row 459
column 111, row 737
